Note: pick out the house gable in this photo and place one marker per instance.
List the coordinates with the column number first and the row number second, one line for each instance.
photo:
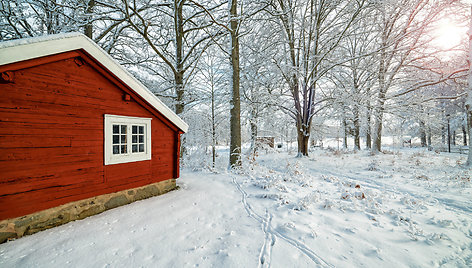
column 16, row 52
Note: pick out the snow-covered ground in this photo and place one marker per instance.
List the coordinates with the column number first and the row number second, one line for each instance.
column 408, row 208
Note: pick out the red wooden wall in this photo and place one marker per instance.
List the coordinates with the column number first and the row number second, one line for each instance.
column 52, row 134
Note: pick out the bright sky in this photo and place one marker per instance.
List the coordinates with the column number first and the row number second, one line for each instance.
column 449, row 34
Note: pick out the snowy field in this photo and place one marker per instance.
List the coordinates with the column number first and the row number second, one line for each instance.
column 408, row 208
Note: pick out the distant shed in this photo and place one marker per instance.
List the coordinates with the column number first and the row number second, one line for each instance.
column 266, row 141
column 75, row 126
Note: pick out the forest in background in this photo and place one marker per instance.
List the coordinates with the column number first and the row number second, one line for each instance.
column 296, row 70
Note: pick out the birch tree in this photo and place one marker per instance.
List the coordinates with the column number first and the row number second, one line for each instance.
column 468, row 104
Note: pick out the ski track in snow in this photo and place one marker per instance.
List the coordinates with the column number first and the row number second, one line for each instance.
column 270, row 234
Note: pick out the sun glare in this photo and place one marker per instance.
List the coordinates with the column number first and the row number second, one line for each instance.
column 449, row 35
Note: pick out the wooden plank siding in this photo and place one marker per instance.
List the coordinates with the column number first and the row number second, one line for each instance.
column 51, row 135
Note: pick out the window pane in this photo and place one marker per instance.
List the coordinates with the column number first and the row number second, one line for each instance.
column 116, row 149
column 123, row 138
column 141, row 138
column 123, row 129
column 135, row 130
column 116, row 139
column 123, row 149
column 141, row 130
column 141, row 148
column 135, row 148
column 134, row 139
column 116, row 129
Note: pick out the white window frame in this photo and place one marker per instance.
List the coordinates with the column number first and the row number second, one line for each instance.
column 111, row 158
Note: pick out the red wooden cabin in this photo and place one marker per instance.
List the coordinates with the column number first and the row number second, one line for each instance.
column 74, row 124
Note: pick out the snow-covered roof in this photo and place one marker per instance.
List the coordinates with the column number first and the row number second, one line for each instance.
column 35, row 47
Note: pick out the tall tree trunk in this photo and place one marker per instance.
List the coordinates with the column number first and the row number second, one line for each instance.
column 377, row 144
column 448, row 135
column 429, row 138
column 306, row 143
column 454, row 137
column 368, row 134
column 213, row 123
column 253, row 126
column 304, row 115
column 235, row 120
column 49, row 7
column 179, row 90
column 88, row 29
column 469, row 110
column 303, row 139
column 464, row 135
column 357, row 129
column 443, row 134
column 346, row 133
column 423, row 133
column 179, row 72
column 379, row 109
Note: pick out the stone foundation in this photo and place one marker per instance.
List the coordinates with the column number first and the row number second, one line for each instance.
column 45, row 219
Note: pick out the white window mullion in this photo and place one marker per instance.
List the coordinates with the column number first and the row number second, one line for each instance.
column 147, row 139
column 128, row 139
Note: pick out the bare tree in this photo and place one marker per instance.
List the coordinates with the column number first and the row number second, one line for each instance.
column 28, row 18
column 468, row 104
column 403, row 33
column 211, row 80
column 88, row 28
column 355, row 78
column 178, row 48
column 235, row 120
column 312, row 30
